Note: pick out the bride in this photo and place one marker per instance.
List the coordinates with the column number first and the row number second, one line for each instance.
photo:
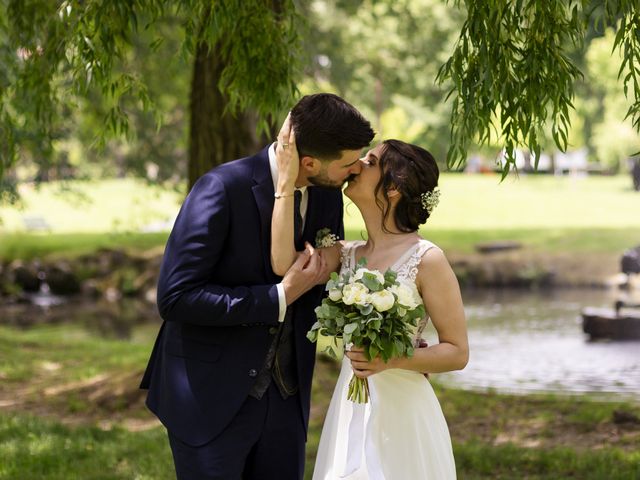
column 401, row 433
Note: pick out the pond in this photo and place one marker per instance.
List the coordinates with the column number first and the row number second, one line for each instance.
column 533, row 342
column 520, row 341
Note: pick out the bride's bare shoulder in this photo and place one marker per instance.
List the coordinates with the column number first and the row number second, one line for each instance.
column 433, row 264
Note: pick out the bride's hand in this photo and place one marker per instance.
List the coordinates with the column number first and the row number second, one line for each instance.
column 364, row 368
column 287, row 158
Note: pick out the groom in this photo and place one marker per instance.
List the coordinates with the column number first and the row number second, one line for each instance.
column 230, row 372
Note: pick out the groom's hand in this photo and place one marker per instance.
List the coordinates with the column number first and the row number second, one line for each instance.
column 307, row 271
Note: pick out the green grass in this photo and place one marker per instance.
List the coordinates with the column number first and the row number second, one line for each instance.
column 549, row 214
column 481, row 202
column 26, row 246
column 32, row 448
column 475, row 461
column 468, row 202
column 118, row 205
column 75, row 352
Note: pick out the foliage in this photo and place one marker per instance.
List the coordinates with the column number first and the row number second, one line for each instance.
column 511, row 72
column 54, row 52
column 69, row 69
column 613, row 138
column 383, row 56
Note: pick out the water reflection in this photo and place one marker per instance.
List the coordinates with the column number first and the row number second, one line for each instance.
column 115, row 320
column 520, row 341
column 523, row 342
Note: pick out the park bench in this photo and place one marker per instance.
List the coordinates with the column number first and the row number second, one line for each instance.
column 36, row 223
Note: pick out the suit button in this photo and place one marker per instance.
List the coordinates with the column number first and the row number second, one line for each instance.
column 273, row 330
column 253, row 372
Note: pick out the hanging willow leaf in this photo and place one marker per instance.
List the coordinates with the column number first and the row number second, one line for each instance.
column 511, row 73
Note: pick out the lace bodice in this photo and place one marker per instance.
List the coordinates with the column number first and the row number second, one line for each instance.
column 406, row 267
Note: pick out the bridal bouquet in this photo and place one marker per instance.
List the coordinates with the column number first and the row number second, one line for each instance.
column 371, row 310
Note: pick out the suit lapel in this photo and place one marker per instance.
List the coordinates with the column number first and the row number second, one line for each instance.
column 263, row 194
column 312, row 217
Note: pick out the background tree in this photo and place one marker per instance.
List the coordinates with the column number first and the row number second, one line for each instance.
column 53, row 52
column 67, row 68
column 512, row 74
column 384, row 55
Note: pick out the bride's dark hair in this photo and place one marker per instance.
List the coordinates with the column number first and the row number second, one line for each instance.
column 412, row 171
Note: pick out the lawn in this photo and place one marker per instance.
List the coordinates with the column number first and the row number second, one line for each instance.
column 468, row 202
column 69, row 403
column 72, row 410
column 548, row 214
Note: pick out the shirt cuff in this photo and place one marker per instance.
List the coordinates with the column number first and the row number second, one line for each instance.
column 283, row 302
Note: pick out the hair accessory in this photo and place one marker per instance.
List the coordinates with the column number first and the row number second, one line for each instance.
column 430, row 200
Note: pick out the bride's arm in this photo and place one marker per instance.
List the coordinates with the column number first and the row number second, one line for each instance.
column 440, row 293
column 283, row 252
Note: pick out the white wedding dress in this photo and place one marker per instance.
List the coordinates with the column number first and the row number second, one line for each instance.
column 401, row 434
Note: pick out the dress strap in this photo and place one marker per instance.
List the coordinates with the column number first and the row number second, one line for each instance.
column 348, row 255
column 408, row 265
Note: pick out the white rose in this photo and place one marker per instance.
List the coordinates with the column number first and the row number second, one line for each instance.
column 361, row 271
column 382, row 300
column 406, row 296
column 355, row 293
column 335, row 294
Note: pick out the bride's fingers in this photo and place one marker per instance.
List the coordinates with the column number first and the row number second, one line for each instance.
column 292, row 134
column 285, row 130
column 356, row 355
column 362, row 373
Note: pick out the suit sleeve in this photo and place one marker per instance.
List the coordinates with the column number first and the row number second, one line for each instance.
column 185, row 293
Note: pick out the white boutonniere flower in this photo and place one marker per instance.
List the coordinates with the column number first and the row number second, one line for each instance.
column 324, row 238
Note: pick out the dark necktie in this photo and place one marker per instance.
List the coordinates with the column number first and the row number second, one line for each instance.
column 280, row 364
column 284, row 368
column 297, row 219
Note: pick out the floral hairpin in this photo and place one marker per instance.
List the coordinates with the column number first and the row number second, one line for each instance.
column 430, row 200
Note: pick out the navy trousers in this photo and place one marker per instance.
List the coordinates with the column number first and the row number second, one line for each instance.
column 264, row 441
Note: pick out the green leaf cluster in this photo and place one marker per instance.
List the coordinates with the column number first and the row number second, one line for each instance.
column 55, row 54
column 511, row 71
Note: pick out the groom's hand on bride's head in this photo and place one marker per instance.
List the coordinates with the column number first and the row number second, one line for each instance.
column 306, row 272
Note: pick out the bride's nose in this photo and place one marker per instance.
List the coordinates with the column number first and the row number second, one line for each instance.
column 357, row 167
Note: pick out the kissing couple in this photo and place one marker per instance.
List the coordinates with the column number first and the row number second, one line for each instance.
column 230, row 372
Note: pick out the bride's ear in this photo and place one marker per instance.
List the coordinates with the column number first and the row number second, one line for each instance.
column 310, row 165
column 393, row 193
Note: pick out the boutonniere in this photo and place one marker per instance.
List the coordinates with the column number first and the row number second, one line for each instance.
column 324, row 238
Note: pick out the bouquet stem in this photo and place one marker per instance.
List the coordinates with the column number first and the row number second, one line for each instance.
column 358, row 390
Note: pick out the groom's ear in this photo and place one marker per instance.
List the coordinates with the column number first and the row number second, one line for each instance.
column 310, row 165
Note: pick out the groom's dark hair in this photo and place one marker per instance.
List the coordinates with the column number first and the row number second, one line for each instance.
column 325, row 124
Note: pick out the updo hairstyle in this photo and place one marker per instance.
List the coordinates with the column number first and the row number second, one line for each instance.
column 412, row 171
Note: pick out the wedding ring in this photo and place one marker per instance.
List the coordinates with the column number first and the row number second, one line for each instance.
column 285, row 145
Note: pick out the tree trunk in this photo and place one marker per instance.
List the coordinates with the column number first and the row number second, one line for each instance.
column 215, row 136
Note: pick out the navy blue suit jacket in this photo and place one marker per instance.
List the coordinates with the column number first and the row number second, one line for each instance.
column 218, row 298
